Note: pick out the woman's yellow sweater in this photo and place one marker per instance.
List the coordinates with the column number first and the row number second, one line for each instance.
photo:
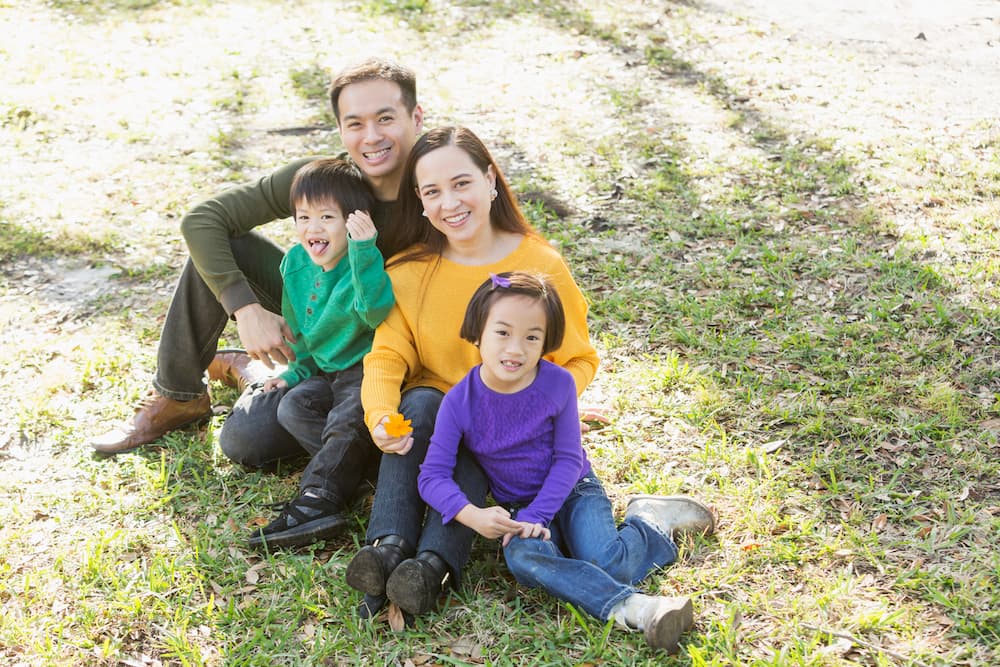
column 418, row 343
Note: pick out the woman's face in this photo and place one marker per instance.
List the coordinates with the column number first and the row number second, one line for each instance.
column 455, row 194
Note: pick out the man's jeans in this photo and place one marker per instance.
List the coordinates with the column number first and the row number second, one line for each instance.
column 322, row 416
column 195, row 319
column 398, row 508
column 590, row 562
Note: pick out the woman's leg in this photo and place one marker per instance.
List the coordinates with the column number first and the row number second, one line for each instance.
column 398, row 508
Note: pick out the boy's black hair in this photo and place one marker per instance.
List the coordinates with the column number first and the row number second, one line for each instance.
column 332, row 178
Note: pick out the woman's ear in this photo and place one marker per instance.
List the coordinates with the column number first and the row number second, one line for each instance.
column 491, row 177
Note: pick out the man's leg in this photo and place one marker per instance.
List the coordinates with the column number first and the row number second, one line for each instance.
column 191, row 331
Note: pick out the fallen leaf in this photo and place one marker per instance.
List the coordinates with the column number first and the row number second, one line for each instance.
column 258, row 521
column 397, row 426
column 879, row 523
column 395, row 617
column 773, row 446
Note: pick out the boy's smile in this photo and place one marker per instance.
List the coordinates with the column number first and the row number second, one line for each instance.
column 322, row 231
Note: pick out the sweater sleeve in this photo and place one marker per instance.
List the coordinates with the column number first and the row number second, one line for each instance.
column 373, row 297
column 392, row 359
column 436, row 481
column 209, row 226
column 567, row 460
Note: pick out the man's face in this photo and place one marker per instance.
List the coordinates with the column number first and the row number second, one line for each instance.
column 378, row 131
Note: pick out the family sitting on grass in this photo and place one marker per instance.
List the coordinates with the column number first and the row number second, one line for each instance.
column 431, row 339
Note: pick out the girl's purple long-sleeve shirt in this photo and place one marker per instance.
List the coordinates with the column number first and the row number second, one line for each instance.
column 528, row 444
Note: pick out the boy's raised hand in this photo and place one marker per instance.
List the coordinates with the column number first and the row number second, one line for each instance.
column 360, row 226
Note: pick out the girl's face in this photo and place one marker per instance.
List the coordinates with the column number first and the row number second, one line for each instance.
column 322, row 231
column 455, row 194
column 511, row 343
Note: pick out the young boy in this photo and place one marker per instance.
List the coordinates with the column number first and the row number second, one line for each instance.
column 335, row 293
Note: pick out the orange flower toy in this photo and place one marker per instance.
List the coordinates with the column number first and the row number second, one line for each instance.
column 397, row 426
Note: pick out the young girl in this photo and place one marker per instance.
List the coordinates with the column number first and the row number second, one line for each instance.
column 517, row 414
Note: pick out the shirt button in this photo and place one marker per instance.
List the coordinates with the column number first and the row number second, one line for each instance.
column 309, row 311
column 312, row 297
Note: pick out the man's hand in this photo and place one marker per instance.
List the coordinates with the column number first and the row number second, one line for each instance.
column 389, row 444
column 360, row 226
column 490, row 522
column 265, row 336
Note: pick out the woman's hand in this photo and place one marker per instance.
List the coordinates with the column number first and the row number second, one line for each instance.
column 528, row 530
column 274, row 383
column 389, row 444
column 360, row 226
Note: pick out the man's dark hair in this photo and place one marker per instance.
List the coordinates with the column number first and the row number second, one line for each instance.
column 375, row 69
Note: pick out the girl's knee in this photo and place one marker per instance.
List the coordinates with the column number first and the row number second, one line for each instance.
column 524, row 557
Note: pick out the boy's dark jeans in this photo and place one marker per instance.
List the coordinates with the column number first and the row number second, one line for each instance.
column 195, row 319
column 322, row 417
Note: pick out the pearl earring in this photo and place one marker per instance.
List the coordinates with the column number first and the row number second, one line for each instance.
column 424, row 213
column 493, row 194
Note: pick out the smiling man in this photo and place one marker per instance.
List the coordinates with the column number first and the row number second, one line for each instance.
column 232, row 272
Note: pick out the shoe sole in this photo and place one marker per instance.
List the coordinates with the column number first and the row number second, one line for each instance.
column 300, row 536
column 667, row 629
column 409, row 589
column 364, row 572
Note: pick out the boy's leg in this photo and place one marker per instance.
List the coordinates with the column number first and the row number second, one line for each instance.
column 252, row 435
column 342, row 448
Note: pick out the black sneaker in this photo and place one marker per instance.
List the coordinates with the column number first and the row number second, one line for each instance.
column 305, row 520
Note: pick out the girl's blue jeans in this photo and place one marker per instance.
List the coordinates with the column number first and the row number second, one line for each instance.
column 589, row 561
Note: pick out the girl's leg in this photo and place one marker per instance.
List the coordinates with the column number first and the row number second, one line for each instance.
column 538, row 563
column 628, row 553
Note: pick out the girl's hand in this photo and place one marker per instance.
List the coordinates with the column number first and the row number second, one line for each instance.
column 387, row 443
column 490, row 522
column 360, row 226
column 528, row 530
column 274, row 383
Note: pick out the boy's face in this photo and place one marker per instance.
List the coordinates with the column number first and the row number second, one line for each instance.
column 378, row 132
column 511, row 343
column 321, row 229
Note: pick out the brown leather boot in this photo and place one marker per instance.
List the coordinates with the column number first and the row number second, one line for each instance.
column 156, row 416
column 235, row 368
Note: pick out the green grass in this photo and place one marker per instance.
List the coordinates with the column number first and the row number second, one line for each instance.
column 773, row 341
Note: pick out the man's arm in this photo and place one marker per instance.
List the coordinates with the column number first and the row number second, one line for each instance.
column 208, row 228
column 209, row 225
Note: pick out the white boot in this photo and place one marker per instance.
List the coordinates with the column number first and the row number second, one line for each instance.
column 662, row 619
